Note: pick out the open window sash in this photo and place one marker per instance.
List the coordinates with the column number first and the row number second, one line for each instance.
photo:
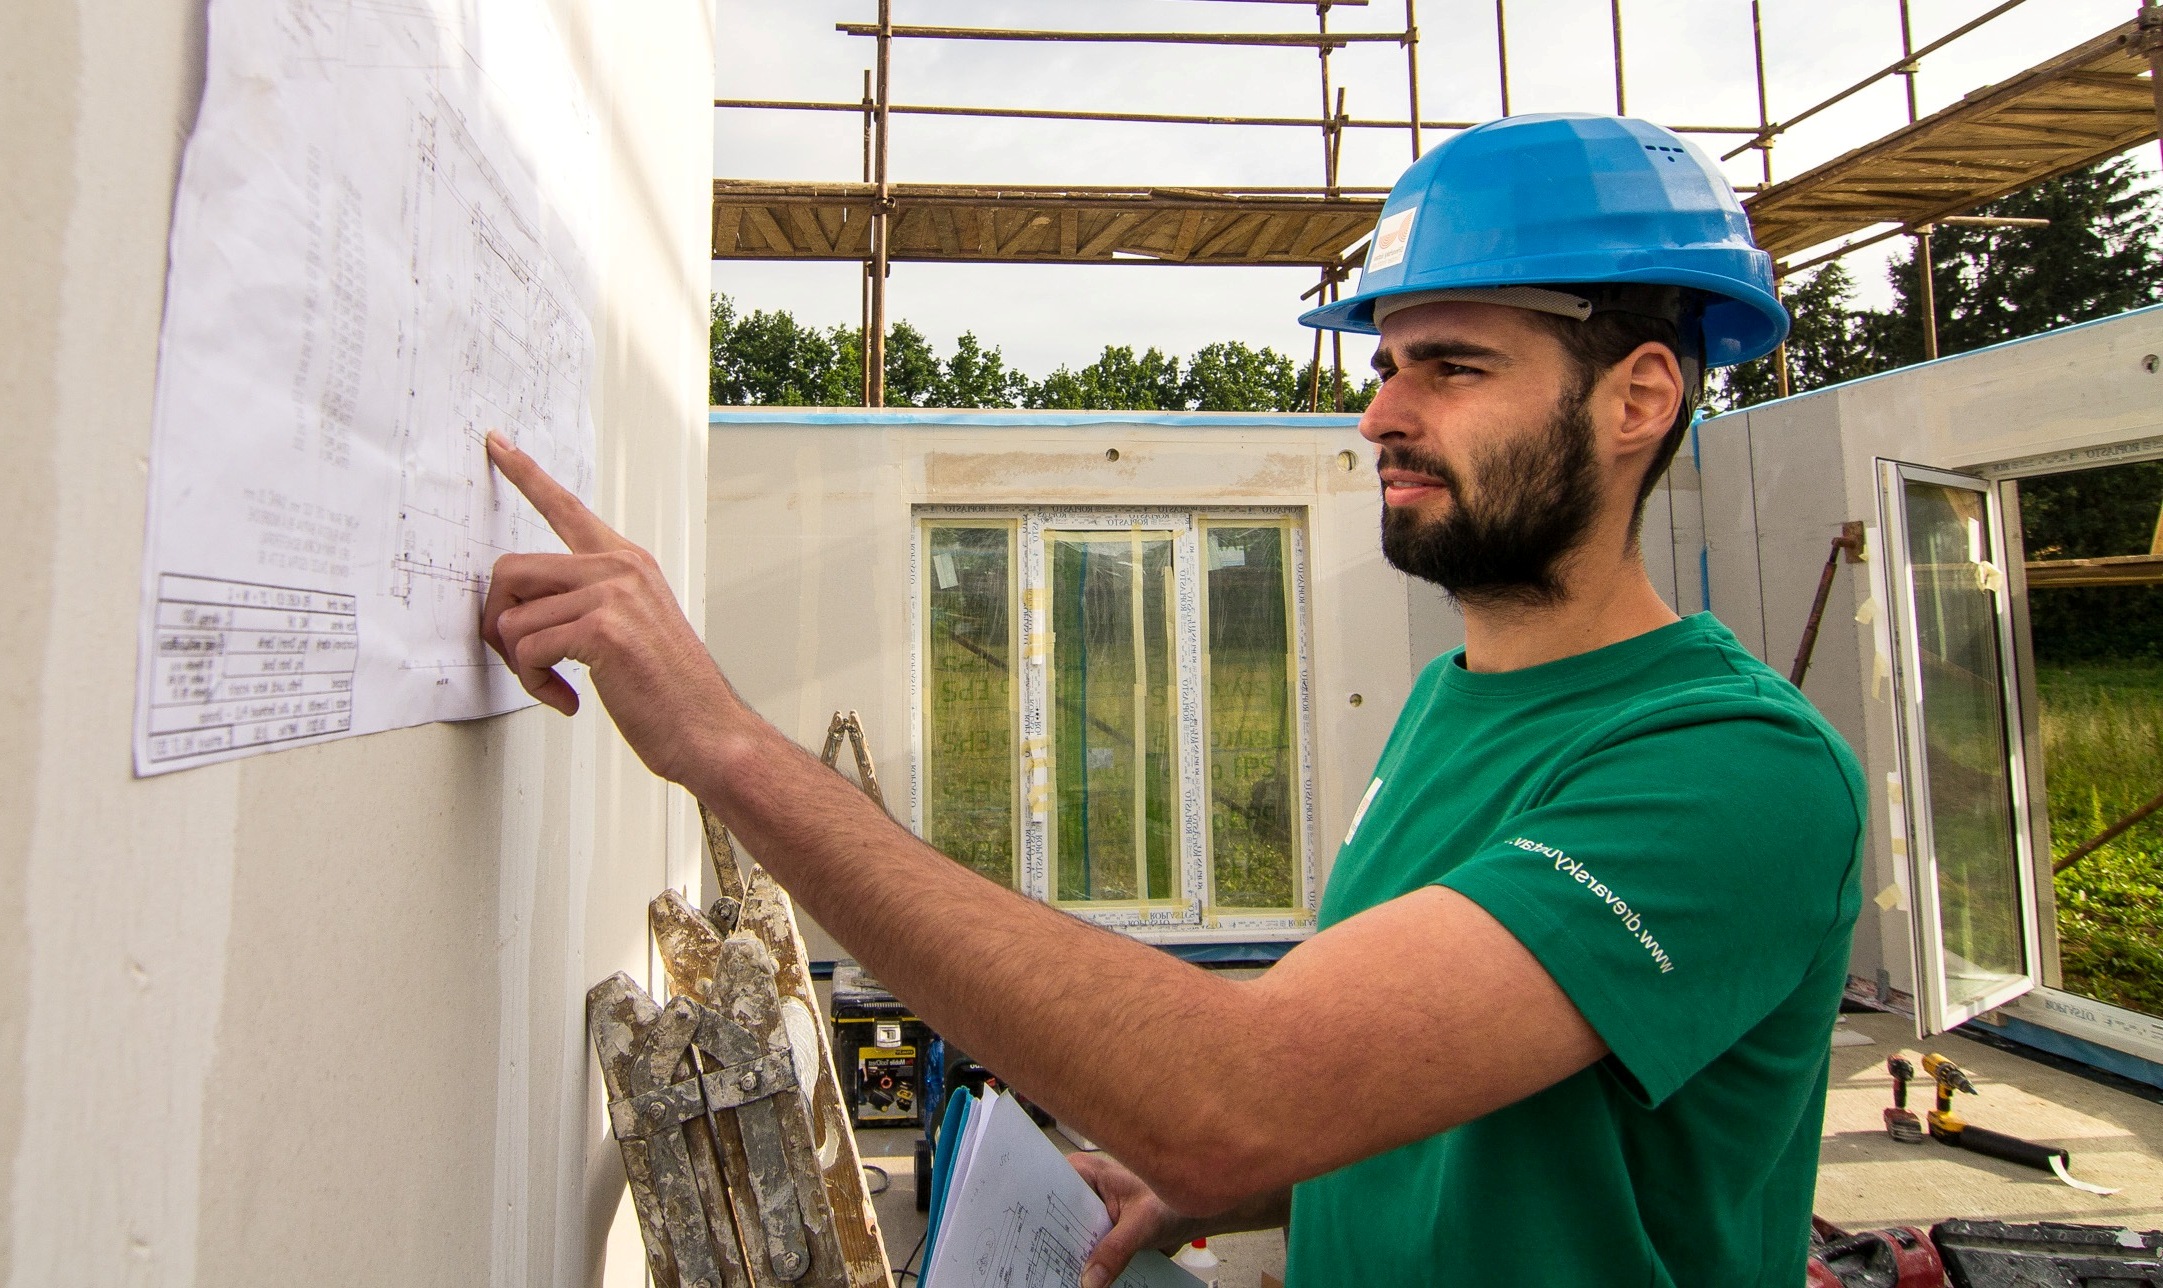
column 1968, row 835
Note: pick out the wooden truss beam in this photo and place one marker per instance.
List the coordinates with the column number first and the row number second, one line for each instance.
column 1270, row 39
column 1040, row 225
column 2089, row 103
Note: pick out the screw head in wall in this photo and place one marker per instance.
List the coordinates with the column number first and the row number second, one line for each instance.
column 748, row 1080
column 1355, row 699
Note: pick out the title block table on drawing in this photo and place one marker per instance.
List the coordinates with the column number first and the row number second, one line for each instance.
column 243, row 665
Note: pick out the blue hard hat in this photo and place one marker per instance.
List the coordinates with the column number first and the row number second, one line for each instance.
column 1568, row 198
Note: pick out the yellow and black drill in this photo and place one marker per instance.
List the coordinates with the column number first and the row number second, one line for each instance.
column 1949, row 1127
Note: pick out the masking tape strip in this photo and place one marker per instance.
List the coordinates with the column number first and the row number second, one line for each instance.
column 1035, row 695
column 1309, row 807
column 1187, row 663
column 917, row 715
column 1896, row 823
column 2057, row 1164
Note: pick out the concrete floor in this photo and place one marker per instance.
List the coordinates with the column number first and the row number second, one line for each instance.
column 1866, row 1179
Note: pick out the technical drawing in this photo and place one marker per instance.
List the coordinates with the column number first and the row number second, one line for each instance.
column 505, row 349
column 381, row 253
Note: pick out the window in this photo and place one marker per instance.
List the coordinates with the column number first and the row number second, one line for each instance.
column 1112, row 713
column 1966, row 828
column 970, row 714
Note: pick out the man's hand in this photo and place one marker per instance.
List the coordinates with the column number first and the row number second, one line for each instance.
column 1139, row 1219
column 607, row 605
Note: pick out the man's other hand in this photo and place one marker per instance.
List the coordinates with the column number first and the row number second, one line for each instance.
column 604, row 604
column 1140, row 1219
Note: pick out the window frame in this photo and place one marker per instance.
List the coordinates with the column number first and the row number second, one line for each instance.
column 1190, row 915
column 920, row 666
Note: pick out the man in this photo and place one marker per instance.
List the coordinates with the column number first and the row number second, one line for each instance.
column 1567, row 1015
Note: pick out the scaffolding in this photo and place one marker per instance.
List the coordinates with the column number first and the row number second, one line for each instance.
column 2093, row 101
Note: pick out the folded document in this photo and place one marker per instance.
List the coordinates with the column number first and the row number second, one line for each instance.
column 1008, row 1210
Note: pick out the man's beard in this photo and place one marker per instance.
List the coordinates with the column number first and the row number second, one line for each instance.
column 1504, row 542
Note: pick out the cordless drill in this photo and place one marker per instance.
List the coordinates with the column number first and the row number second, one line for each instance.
column 1900, row 1121
column 1949, row 1127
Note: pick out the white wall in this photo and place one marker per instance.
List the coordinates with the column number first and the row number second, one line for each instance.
column 811, row 521
column 315, row 1016
column 1780, row 478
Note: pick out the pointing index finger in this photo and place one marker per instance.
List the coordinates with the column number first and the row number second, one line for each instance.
column 580, row 528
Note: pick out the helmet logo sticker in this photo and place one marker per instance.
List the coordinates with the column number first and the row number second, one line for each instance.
column 1391, row 237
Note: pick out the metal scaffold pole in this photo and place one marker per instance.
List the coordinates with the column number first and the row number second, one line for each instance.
column 2151, row 43
column 1329, row 128
column 1411, row 72
column 1502, row 53
column 1614, row 19
column 1764, row 155
column 881, row 217
column 863, row 329
column 1925, row 264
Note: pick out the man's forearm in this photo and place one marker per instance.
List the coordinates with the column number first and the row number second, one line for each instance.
column 960, row 949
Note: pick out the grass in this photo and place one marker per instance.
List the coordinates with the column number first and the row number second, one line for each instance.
column 2102, row 726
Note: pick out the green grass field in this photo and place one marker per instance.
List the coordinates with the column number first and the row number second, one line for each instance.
column 2102, row 727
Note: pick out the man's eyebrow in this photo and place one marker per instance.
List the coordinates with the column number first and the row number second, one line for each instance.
column 1442, row 351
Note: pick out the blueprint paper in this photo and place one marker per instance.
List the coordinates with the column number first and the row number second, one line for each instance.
column 1019, row 1216
column 379, row 253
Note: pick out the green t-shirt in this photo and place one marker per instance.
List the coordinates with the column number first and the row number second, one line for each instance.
column 1674, row 833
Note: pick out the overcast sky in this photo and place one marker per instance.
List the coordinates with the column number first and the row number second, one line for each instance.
column 1688, row 62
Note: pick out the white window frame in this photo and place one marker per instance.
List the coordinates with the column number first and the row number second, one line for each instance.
column 1912, row 817
column 1188, row 917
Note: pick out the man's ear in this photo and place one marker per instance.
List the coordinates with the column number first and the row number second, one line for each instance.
column 1652, row 393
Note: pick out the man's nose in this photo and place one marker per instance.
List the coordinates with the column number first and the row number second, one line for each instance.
column 1383, row 421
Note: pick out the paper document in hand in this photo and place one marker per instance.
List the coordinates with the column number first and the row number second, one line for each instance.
column 1017, row 1215
column 380, row 251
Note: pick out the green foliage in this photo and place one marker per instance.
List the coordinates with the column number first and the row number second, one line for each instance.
column 770, row 359
column 1233, row 377
column 2102, row 727
column 978, row 377
column 1357, row 393
column 913, row 370
column 1825, row 347
column 1116, row 381
column 2088, row 515
column 767, row 359
column 2097, row 257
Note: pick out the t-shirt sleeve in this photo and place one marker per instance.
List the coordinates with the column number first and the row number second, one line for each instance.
column 1679, row 878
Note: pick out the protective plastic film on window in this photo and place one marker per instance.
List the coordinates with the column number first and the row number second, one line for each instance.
column 1254, row 850
column 1972, row 825
column 970, row 707
column 1111, row 716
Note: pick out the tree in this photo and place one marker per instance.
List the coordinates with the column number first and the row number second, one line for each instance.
column 1825, row 347
column 1232, row 377
column 912, row 368
column 978, row 377
column 771, row 359
column 1116, row 381
column 1357, row 393
column 2097, row 257
column 768, row 359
